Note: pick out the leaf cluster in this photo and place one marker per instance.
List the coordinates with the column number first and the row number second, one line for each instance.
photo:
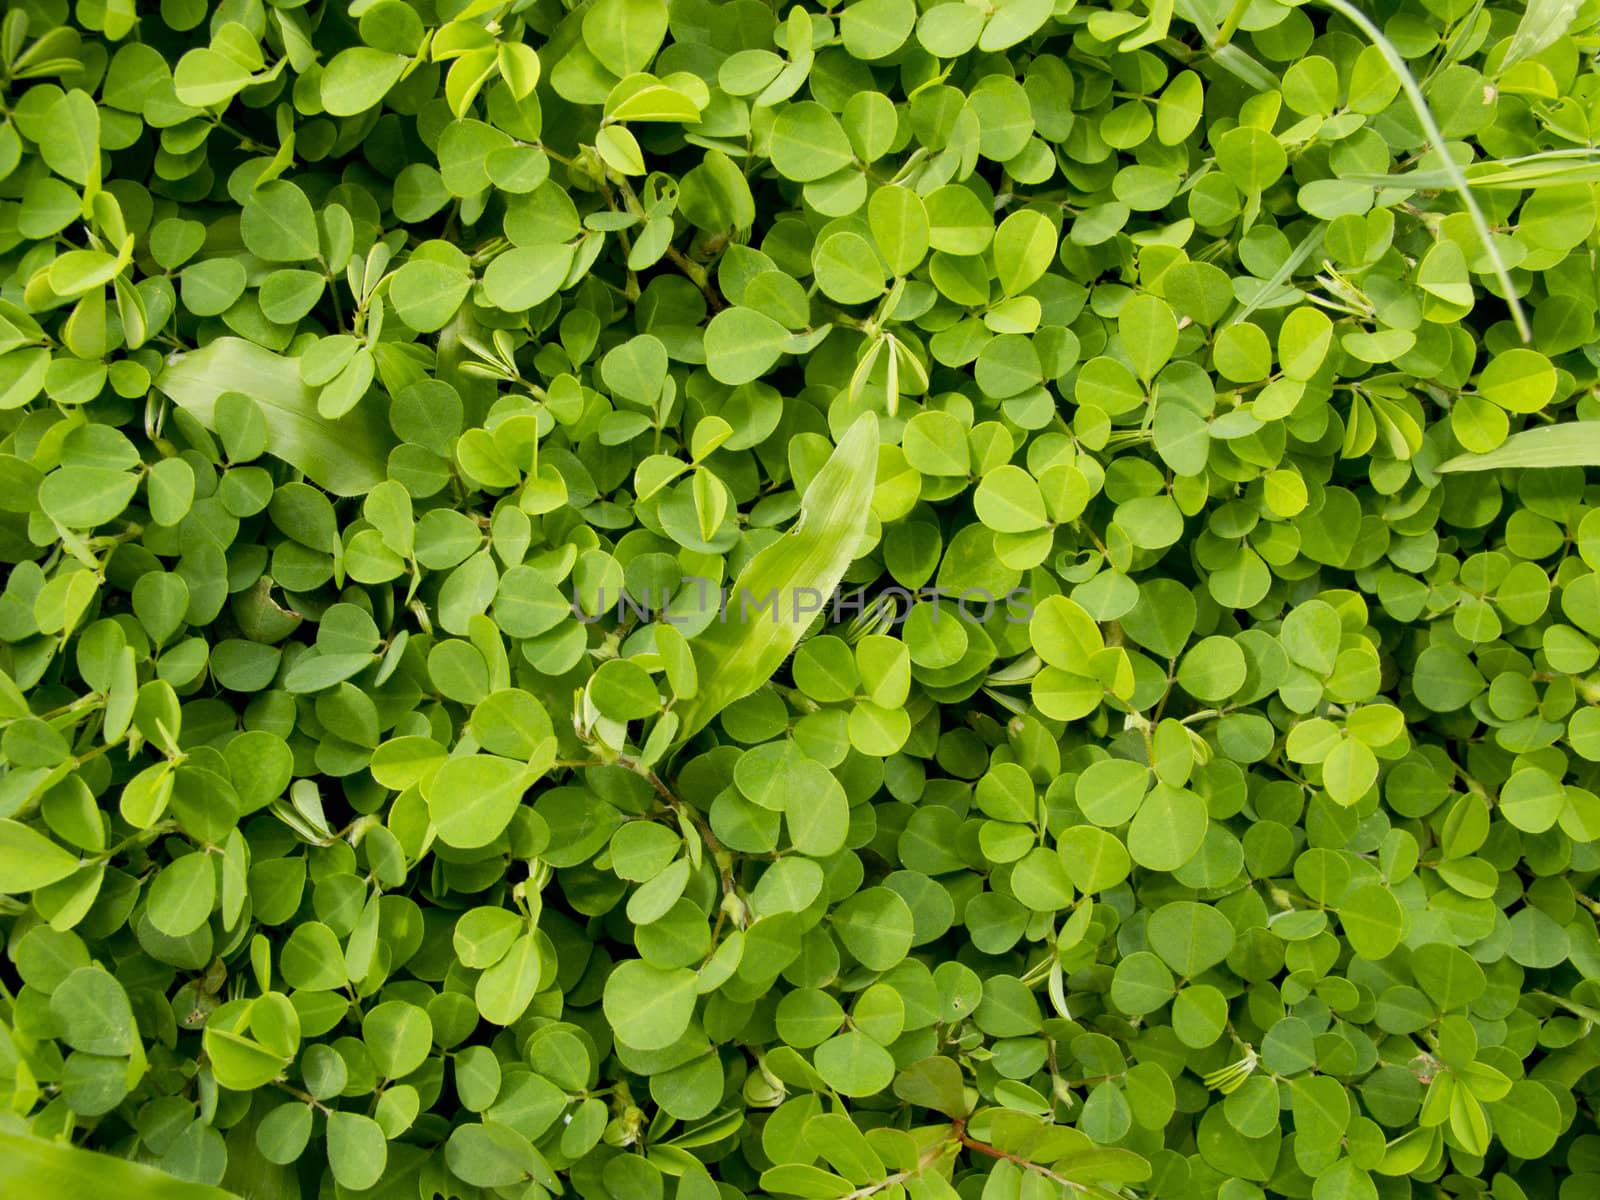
column 434, row 761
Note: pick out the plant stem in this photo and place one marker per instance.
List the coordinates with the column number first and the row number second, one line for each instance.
column 984, row 1148
column 306, row 1096
column 698, row 275
column 696, row 272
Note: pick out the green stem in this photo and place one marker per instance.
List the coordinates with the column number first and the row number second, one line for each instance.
column 1230, row 24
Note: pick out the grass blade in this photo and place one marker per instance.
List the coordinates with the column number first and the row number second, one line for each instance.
column 1430, row 130
column 1308, row 246
column 737, row 655
column 1574, row 444
column 1224, row 53
column 348, row 456
column 31, row 1166
column 1550, row 168
column 1543, row 24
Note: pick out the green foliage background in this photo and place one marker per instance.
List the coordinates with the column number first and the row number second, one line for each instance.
column 354, row 358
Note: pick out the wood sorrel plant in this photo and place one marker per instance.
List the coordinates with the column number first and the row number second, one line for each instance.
column 357, row 840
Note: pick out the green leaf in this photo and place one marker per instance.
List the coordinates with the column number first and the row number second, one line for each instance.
column 1373, row 920
column 649, row 1007
column 1149, row 331
column 874, row 29
column 357, row 1150
column 934, row 1083
column 1520, row 380
column 277, row 223
column 899, row 223
column 1190, row 937
column 847, row 270
column 1528, row 1120
column 426, row 293
column 29, row 860
column 742, row 344
column 205, row 77
column 77, row 271
column 808, row 143
column 624, row 35
column 399, row 1035
column 1168, row 829
column 312, row 958
column 483, row 935
column 357, row 78
column 182, row 896
column 73, row 148
column 94, row 1012
column 505, row 990
column 523, row 278
column 472, row 799
column 239, row 1063
column 854, row 1065
column 1024, row 246
column 84, row 497
column 876, row 926
column 492, row 1155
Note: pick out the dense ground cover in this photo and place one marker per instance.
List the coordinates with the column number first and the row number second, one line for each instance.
column 905, row 599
